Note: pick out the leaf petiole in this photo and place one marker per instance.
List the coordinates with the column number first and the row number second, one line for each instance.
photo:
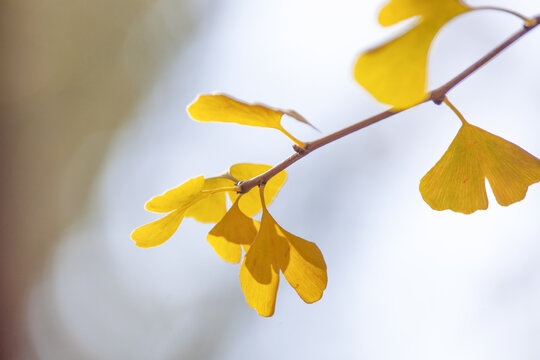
column 213, row 191
column 295, row 140
column 529, row 22
column 455, row 110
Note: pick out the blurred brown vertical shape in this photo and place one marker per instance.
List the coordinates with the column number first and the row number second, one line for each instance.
column 64, row 84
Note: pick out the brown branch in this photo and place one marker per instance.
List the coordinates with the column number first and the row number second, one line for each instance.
column 437, row 96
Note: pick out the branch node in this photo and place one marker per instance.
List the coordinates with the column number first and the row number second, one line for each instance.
column 300, row 150
column 240, row 186
column 530, row 23
column 438, row 95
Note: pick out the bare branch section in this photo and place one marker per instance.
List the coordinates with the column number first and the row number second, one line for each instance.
column 437, row 96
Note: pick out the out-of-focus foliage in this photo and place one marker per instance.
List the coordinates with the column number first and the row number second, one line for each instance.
column 395, row 72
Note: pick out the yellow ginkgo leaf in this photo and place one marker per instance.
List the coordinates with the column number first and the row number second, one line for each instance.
column 195, row 198
column 212, row 206
column 190, row 197
column 181, row 196
column 259, row 273
column 457, row 181
column 250, row 203
column 234, row 229
column 395, row 72
column 275, row 249
column 223, row 108
column 304, row 267
column 159, row 231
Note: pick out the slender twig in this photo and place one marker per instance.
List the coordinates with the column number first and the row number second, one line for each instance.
column 437, row 96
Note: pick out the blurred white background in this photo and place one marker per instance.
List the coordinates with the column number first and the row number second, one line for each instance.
column 405, row 281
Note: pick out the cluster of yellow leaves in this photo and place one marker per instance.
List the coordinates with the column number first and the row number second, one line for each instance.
column 204, row 200
column 269, row 250
column 395, row 74
column 268, row 247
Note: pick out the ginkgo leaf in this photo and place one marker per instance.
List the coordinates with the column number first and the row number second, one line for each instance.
column 212, row 206
column 223, row 108
column 275, row 249
column 250, row 203
column 304, row 267
column 159, row 231
column 259, row 273
column 181, row 196
column 395, row 73
column 204, row 207
column 234, row 229
column 457, row 181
